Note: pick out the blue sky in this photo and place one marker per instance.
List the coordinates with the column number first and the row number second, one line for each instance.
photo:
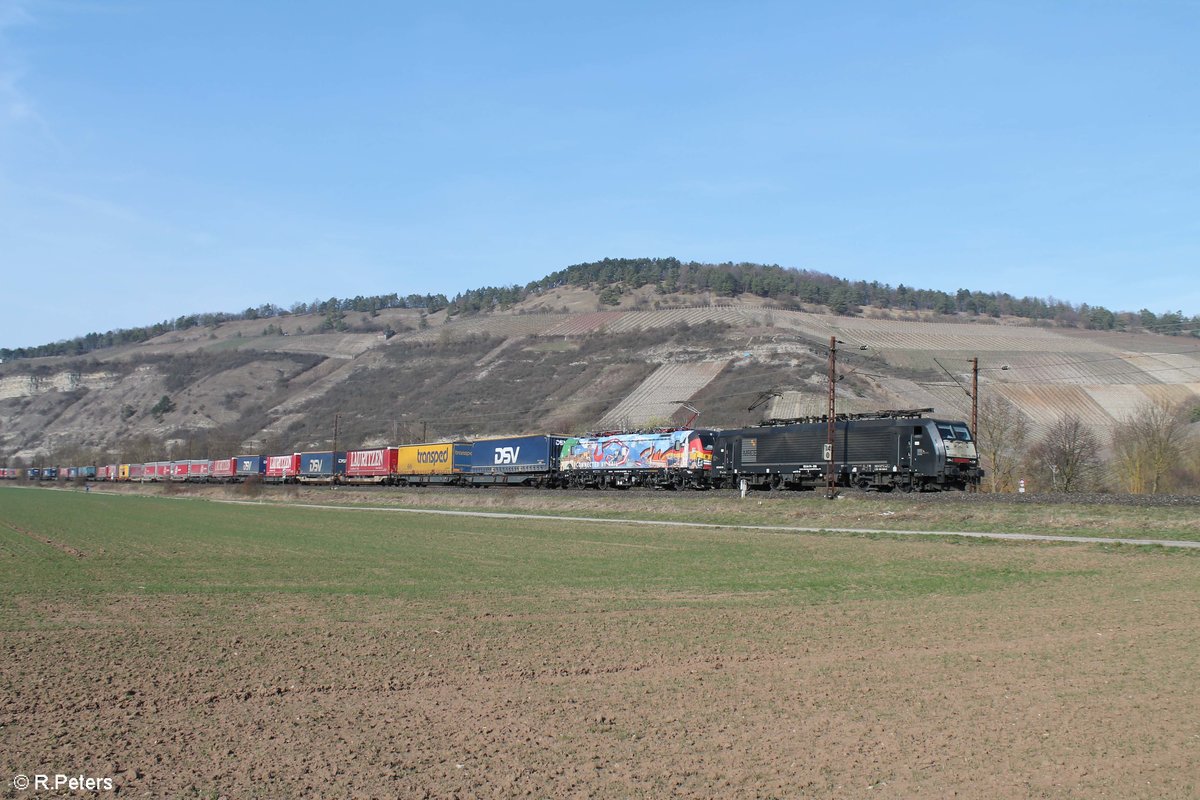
column 160, row 158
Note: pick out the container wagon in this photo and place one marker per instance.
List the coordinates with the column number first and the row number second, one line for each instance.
column 517, row 461
column 282, row 468
column 249, row 466
column 670, row 459
column 222, row 470
column 322, row 467
column 439, row 463
column 198, row 470
column 376, row 465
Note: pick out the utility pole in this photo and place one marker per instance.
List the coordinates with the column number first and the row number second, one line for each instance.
column 975, row 410
column 831, row 424
column 336, row 418
column 975, row 396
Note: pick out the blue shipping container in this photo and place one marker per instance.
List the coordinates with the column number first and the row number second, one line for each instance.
column 463, row 452
column 87, row 472
column 516, row 454
column 322, row 465
column 251, row 465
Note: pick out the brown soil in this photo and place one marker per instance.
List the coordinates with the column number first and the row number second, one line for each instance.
column 1082, row 687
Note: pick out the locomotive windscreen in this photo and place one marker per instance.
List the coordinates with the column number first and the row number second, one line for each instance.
column 953, row 431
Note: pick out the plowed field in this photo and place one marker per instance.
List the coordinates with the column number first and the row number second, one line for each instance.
column 186, row 649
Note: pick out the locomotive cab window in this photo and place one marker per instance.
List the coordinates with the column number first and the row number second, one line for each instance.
column 954, row 432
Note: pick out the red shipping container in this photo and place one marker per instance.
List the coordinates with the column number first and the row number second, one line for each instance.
column 179, row 470
column 285, row 466
column 223, row 468
column 198, row 470
column 375, row 463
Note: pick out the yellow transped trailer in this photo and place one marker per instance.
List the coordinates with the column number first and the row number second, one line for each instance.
column 441, row 462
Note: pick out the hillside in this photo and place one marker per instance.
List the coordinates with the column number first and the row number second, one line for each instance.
column 560, row 360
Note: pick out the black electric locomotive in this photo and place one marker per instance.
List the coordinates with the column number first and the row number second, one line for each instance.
column 884, row 451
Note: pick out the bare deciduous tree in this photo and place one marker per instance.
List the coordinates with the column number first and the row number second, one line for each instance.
column 1148, row 444
column 1068, row 455
column 1003, row 437
column 1186, row 474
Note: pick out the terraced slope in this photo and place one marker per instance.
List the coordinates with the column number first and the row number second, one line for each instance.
column 1045, row 373
column 939, row 336
column 487, row 324
column 580, row 324
column 628, row 321
column 661, row 395
column 797, row 404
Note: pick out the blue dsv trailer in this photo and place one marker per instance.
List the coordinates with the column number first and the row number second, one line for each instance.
column 322, row 467
column 517, row 460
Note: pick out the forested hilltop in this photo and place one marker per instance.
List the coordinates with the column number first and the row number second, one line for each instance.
column 614, row 277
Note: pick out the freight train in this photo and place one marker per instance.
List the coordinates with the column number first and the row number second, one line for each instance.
column 897, row 450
